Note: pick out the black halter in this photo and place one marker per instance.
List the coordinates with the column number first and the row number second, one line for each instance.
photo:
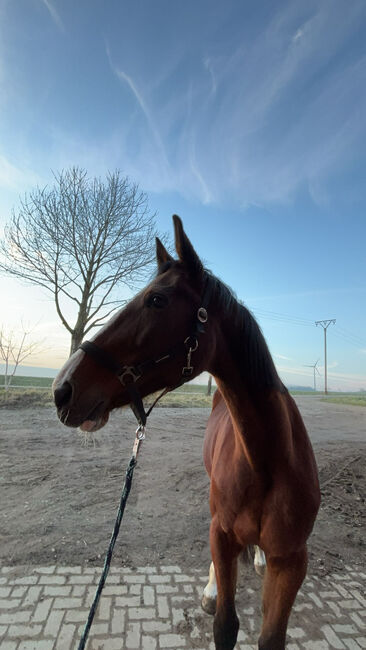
column 129, row 375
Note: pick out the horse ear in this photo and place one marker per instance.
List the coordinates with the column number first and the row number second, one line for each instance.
column 184, row 248
column 162, row 255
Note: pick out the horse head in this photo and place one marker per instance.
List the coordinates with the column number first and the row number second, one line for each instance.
column 152, row 343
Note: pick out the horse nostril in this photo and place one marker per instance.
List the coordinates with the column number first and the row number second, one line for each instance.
column 62, row 394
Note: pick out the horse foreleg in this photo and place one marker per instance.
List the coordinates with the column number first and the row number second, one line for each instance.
column 282, row 580
column 224, row 552
column 259, row 561
column 210, row 593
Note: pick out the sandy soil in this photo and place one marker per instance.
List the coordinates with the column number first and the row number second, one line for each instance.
column 60, row 490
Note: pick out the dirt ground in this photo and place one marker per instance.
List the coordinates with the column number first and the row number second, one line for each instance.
column 60, row 490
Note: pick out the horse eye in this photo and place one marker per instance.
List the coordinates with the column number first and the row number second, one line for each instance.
column 158, row 301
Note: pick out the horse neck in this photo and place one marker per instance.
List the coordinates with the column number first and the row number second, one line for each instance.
column 259, row 414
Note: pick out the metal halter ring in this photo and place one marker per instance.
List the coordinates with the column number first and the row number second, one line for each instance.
column 188, row 345
column 202, row 315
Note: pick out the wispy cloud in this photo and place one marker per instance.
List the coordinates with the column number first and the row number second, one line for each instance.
column 125, row 78
column 206, row 193
column 209, row 67
column 298, row 34
column 353, row 378
column 269, row 153
column 333, row 364
column 249, row 147
column 282, row 357
column 336, row 380
column 15, row 178
column 295, row 370
column 54, row 14
column 251, row 121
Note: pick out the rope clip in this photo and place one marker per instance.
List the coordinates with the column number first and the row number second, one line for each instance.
column 191, row 344
column 140, row 436
column 140, row 432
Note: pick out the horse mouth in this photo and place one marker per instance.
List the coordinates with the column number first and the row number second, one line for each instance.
column 95, row 419
column 89, row 426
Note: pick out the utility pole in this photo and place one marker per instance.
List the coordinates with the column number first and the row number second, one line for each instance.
column 314, row 367
column 209, row 385
column 325, row 324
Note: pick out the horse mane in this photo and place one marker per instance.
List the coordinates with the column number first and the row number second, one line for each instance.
column 256, row 364
column 257, row 368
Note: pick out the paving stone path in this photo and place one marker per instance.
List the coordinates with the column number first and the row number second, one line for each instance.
column 155, row 608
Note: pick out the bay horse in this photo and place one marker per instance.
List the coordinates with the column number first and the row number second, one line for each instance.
column 264, row 482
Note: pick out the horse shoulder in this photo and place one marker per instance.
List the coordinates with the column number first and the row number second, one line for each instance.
column 214, row 426
column 293, row 500
column 232, row 479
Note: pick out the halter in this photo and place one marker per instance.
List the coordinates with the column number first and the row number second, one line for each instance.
column 129, row 375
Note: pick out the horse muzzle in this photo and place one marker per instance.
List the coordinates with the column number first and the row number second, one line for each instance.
column 89, row 417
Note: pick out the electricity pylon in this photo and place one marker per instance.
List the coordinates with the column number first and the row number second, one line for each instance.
column 325, row 324
column 314, row 367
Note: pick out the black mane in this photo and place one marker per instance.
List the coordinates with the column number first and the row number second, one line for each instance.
column 257, row 367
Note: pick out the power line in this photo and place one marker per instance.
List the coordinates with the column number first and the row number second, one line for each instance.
column 345, row 339
column 340, row 333
column 358, row 340
column 282, row 318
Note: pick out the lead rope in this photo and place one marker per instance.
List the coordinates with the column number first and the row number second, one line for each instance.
column 140, row 436
column 191, row 343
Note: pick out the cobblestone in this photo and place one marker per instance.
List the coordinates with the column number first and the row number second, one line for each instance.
column 157, row 608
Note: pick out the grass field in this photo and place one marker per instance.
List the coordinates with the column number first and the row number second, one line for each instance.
column 39, row 394
column 21, row 398
column 347, row 398
column 189, row 395
column 46, row 382
column 41, row 382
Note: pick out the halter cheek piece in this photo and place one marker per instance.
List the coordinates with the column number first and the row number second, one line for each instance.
column 129, row 375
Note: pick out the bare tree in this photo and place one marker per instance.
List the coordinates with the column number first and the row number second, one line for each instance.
column 13, row 351
column 80, row 240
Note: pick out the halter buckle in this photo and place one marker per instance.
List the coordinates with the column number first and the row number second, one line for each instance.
column 129, row 371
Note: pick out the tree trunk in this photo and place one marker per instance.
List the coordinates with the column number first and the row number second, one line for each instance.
column 77, row 333
column 76, row 339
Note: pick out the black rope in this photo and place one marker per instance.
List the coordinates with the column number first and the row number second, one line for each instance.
column 108, row 558
column 105, row 360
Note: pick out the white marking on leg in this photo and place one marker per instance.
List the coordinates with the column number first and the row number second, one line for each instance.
column 259, row 560
column 210, row 591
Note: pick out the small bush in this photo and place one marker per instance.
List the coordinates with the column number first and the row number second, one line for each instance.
column 23, row 398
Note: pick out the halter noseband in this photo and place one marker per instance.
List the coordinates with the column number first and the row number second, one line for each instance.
column 129, row 375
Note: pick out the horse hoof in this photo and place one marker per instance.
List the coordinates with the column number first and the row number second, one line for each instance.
column 260, row 569
column 208, row 605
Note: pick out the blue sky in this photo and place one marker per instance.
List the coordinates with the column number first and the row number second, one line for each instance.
column 246, row 118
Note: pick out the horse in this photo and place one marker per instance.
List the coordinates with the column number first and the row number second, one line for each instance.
column 264, row 488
